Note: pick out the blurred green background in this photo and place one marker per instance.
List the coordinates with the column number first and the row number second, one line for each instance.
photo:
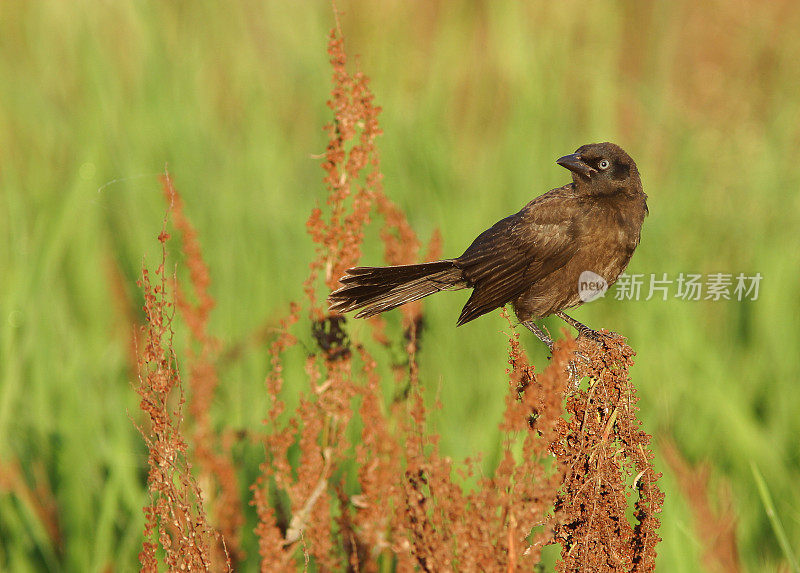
column 479, row 99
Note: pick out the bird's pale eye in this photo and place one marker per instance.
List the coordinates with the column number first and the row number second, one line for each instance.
column 604, row 164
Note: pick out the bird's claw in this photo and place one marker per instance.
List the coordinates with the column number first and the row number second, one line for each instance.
column 573, row 368
column 590, row 333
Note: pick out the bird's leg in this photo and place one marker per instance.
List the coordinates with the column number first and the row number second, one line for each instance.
column 582, row 329
column 540, row 334
column 544, row 336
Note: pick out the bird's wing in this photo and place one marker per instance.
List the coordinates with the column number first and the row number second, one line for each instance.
column 514, row 253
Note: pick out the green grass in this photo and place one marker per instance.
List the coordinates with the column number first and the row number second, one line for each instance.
column 97, row 98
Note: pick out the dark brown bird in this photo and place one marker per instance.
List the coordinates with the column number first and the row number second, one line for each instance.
column 532, row 259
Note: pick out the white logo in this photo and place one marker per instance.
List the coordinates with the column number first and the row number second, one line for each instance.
column 591, row 286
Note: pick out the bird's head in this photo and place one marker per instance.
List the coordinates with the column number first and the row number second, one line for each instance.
column 603, row 169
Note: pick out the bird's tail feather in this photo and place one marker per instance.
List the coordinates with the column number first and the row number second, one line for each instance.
column 378, row 289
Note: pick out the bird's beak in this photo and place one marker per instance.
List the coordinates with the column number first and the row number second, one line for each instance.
column 575, row 164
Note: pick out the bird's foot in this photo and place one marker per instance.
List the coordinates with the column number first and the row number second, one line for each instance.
column 603, row 338
column 575, row 368
column 583, row 330
column 590, row 333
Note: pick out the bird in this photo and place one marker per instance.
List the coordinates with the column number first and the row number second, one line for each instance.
column 532, row 259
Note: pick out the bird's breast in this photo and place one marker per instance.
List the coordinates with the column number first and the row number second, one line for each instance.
column 609, row 238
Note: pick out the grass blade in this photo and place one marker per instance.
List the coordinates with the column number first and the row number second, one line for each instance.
column 766, row 499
